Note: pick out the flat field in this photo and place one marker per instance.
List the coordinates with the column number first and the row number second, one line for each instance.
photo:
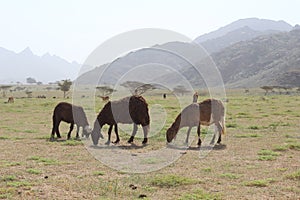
column 259, row 157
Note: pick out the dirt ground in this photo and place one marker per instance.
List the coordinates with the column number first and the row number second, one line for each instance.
column 259, row 157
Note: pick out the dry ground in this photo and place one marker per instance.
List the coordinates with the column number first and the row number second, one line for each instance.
column 259, row 158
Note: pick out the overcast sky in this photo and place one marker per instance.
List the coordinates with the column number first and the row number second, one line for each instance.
column 72, row 29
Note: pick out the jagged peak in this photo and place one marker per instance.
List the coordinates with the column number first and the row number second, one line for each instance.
column 26, row 51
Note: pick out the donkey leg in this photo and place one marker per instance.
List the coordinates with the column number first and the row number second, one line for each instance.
column 198, row 133
column 117, row 134
column 188, row 135
column 109, row 134
column 57, row 130
column 71, row 129
column 135, row 128
column 145, row 130
column 220, row 129
column 77, row 132
column 53, row 129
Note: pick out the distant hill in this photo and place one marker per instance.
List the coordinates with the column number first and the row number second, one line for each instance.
column 156, row 57
column 47, row 68
column 265, row 60
column 240, row 30
column 272, row 59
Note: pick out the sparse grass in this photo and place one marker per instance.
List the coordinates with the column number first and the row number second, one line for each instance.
column 294, row 146
column 18, row 184
column 280, row 148
column 208, row 169
column 7, row 192
column 294, row 176
column 98, row 173
column 46, row 161
column 150, row 161
column 267, row 155
column 33, row 171
column 171, row 180
column 253, row 127
column 72, row 143
column 11, row 164
column 4, row 138
column 35, row 168
column 231, row 125
column 253, row 135
column 230, row 175
column 8, row 178
column 199, row 194
column 259, row 183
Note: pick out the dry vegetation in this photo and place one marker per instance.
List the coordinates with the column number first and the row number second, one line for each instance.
column 259, row 159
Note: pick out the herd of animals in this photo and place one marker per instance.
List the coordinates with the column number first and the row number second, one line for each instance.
column 134, row 110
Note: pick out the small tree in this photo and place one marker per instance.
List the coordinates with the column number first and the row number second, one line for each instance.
column 267, row 89
column 105, row 90
column 138, row 88
column 28, row 93
column 65, row 86
column 144, row 88
column 30, row 80
column 4, row 89
column 180, row 89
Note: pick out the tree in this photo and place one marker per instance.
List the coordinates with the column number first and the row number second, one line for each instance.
column 4, row 89
column 105, row 90
column 180, row 89
column 28, row 93
column 65, row 86
column 30, row 80
column 138, row 88
column 144, row 88
column 267, row 89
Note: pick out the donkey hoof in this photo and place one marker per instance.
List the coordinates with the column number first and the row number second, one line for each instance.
column 130, row 139
column 116, row 142
column 145, row 141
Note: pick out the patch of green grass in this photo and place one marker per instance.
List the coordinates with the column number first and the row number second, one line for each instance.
column 46, row 161
column 171, row 180
column 8, row 178
column 267, row 155
column 33, row 171
column 199, row 194
column 230, row 175
column 98, row 173
column 208, row 169
column 72, row 142
column 253, row 127
column 18, row 184
column 294, row 146
column 254, row 135
column 7, row 192
column 280, row 148
column 30, row 131
column 294, row 176
column 259, row 183
column 231, row 125
column 11, row 164
column 4, row 138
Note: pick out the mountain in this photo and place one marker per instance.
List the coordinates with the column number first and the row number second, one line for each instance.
column 272, row 59
column 265, row 60
column 240, row 30
column 47, row 68
column 144, row 64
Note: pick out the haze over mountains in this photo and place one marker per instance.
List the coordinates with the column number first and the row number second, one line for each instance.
column 16, row 67
column 248, row 52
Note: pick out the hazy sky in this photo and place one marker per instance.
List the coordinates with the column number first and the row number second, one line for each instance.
column 72, row 29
